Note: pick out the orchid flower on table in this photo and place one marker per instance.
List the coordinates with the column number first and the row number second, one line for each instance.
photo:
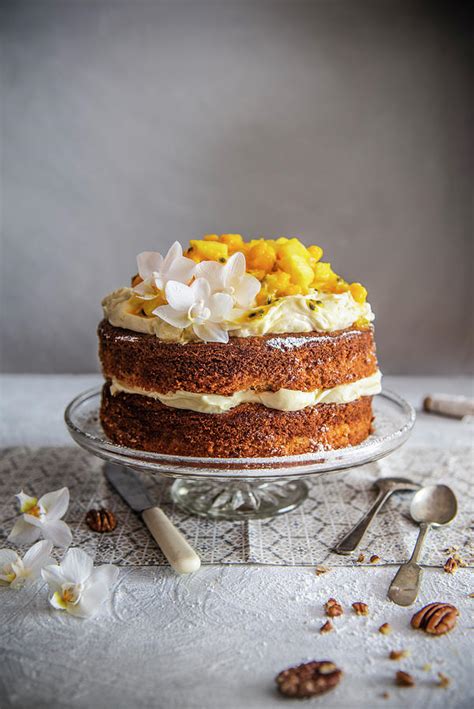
column 17, row 572
column 156, row 271
column 78, row 587
column 42, row 518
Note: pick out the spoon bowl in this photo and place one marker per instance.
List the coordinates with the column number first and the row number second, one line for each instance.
column 435, row 505
column 432, row 506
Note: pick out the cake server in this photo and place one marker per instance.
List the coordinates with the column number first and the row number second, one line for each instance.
column 174, row 546
column 385, row 486
column 432, row 506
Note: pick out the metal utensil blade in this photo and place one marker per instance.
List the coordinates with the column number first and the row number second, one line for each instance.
column 129, row 486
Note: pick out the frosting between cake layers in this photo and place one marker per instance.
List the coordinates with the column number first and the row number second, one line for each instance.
column 317, row 311
column 282, row 400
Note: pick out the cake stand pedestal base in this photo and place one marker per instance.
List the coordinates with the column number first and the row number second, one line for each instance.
column 238, row 500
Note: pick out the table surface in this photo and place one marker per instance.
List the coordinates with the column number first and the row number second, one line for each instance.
column 218, row 637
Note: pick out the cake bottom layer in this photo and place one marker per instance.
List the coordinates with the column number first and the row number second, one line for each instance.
column 249, row 430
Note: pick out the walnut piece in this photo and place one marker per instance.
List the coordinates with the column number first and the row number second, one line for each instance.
column 435, row 618
column 101, row 520
column 333, row 608
column 327, row 627
column 444, row 681
column 398, row 654
column 451, row 566
column 361, row 558
column 374, row 559
column 385, row 629
column 309, row 679
column 403, row 679
column 360, row 608
column 321, row 570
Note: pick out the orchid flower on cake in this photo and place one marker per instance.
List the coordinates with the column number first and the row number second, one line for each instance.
column 233, row 347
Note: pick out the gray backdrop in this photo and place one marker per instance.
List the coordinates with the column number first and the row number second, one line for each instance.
column 127, row 125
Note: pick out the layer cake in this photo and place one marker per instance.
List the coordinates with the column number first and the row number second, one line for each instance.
column 237, row 349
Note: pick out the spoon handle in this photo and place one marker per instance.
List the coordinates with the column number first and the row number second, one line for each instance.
column 405, row 586
column 352, row 540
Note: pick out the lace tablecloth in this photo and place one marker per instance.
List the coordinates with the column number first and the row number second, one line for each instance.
column 302, row 537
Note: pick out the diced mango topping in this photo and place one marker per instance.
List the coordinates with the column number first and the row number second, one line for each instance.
column 234, row 242
column 284, row 266
column 359, row 293
column 261, row 257
column 207, row 251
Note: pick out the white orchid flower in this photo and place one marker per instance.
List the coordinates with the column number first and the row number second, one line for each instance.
column 231, row 278
column 42, row 518
column 78, row 587
column 17, row 572
column 156, row 271
column 196, row 306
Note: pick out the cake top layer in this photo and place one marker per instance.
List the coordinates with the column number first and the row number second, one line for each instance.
column 223, row 286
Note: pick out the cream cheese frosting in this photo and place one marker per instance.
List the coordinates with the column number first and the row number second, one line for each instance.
column 317, row 311
column 282, row 400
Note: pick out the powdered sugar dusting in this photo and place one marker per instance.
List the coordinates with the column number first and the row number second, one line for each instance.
column 285, row 344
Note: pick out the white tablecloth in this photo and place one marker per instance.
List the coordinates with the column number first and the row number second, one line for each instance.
column 218, row 638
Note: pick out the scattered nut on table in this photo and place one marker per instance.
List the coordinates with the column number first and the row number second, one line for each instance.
column 361, row 558
column 101, row 520
column 309, row 679
column 385, row 629
column 399, row 654
column 451, row 566
column 435, row 618
column 327, row 627
column 374, row 559
column 444, row 681
column 360, row 608
column 403, row 679
column 333, row 608
column 321, row 570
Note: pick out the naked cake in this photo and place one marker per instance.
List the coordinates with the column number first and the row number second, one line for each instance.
column 237, row 349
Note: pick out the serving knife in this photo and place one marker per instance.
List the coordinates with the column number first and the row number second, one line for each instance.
column 174, row 546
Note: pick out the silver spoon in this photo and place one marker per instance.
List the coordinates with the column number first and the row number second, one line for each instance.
column 432, row 506
column 385, row 486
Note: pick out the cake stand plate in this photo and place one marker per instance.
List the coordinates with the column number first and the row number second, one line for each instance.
column 242, row 488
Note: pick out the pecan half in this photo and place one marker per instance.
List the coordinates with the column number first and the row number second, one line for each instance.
column 101, row 520
column 333, row 608
column 361, row 608
column 436, row 618
column 403, row 679
column 451, row 566
column 309, row 679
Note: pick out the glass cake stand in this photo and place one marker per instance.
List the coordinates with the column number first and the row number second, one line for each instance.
column 242, row 488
